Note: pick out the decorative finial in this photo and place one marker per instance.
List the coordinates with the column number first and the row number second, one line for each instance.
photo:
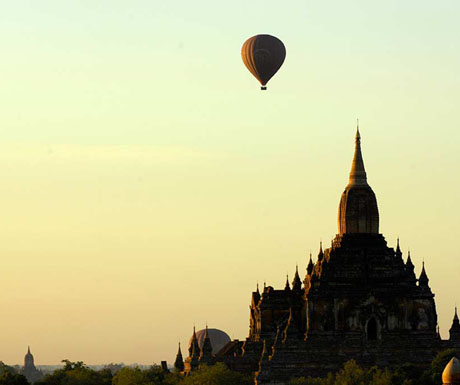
column 357, row 173
column 286, row 286
column 296, row 283
column 310, row 265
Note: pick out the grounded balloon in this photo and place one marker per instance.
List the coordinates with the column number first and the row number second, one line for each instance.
column 263, row 56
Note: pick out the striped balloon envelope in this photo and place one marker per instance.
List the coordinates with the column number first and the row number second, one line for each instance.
column 263, row 55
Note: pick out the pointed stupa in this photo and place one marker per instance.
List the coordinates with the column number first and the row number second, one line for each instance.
column 409, row 268
column 398, row 249
column 194, row 348
column 287, row 287
column 29, row 359
column 179, row 363
column 454, row 331
column 206, row 350
column 358, row 173
column 296, row 283
column 423, row 278
column 358, row 211
column 310, row 266
column 409, row 263
column 256, row 296
column 451, row 373
column 320, row 253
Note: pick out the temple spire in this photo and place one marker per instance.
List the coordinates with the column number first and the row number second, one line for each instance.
column 179, row 363
column 287, row 287
column 194, row 349
column 358, row 210
column 358, row 173
column 296, row 283
column 454, row 332
column 423, row 278
column 206, row 350
column 310, row 266
column 409, row 260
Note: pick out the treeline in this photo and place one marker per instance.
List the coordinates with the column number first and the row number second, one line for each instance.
column 406, row 374
column 77, row 373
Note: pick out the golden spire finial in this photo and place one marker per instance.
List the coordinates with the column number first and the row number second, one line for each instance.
column 358, row 173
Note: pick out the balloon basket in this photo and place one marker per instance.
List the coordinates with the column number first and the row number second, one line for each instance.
column 263, row 88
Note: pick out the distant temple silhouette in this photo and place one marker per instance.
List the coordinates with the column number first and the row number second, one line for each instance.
column 30, row 371
column 360, row 300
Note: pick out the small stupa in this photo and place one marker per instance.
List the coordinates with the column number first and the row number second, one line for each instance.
column 451, row 373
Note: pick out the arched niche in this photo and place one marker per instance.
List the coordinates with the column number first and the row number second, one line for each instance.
column 372, row 329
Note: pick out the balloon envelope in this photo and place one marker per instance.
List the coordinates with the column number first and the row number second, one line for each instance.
column 263, row 56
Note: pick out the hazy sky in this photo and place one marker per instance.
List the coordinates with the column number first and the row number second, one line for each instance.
column 148, row 184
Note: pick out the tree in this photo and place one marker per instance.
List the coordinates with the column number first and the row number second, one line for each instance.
column 9, row 376
column 77, row 373
column 151, row 376
column 309, row 381
column 130, row 376
column 114, row 367
column 352, row 374
column 217, row 374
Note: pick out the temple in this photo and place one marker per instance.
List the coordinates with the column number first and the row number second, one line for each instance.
column 29, row 370
column 360, row 300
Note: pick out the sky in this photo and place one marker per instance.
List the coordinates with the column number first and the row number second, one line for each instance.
column 148, row 184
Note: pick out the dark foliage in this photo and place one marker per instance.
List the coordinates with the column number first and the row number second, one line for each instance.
column 9, row 376
column 406, row 374
column 77, row 373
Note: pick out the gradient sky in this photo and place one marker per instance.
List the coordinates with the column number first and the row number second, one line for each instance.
column 148, row 184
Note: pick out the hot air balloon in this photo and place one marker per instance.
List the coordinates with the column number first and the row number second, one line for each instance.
column 263, row 56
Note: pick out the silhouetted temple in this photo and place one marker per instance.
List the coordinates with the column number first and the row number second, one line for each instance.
column 30, row 371
column 360, row 300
